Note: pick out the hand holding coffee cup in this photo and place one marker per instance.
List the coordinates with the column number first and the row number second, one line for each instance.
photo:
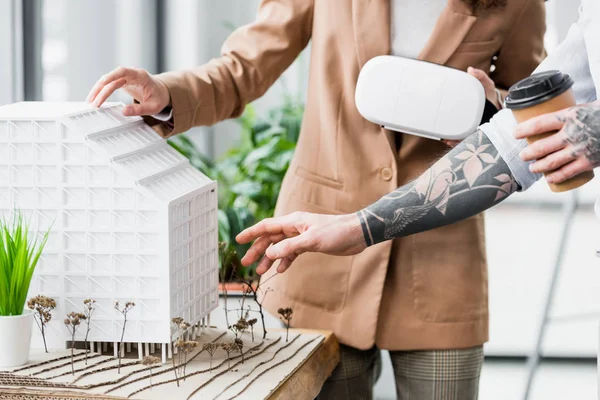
column 540, row 94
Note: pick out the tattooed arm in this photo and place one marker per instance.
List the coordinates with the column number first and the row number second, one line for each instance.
column 468, row 180
column 573, row 150
column 471, row 178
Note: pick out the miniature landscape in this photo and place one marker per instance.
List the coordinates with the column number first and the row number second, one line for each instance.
column 252, row 373
column 132, row 246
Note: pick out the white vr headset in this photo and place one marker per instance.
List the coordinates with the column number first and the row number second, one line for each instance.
column 419, row 98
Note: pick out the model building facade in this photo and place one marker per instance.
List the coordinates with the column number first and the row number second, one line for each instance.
column 130, row 219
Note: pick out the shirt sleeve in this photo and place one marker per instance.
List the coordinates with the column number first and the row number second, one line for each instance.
column 571, row 58
column 164, row 116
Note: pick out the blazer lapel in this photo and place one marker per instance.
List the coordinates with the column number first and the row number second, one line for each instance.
column 371, row 21
column 453, row 25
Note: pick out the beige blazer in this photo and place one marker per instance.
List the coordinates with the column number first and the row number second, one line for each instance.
column 426, row 291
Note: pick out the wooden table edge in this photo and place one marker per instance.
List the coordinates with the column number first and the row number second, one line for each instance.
column 321, row 362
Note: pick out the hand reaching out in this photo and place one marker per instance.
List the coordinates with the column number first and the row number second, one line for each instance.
column 285, row 238
column 152, row 94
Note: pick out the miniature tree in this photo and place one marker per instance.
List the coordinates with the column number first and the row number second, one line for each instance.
column 210, row 348
column 239, row 347
column 251, row 323
column 178, row 328
column 123, row 311
column 228, row 347
column 42, row 307
column 150, row 361
column 183, row 348
column 286, row 315
column 239, row 327
column 88, row 311
column 72, row 322
column 186, row 349
column 255, row 290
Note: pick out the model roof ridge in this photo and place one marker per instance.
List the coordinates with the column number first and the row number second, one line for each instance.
column 148, row 161
column 154, row 166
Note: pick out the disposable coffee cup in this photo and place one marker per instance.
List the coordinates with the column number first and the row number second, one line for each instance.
column 544, row 93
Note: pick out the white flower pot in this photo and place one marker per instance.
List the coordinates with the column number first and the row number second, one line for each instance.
column 15, row 339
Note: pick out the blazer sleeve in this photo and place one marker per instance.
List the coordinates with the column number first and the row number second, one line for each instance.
column 251, row 60
column 523, row 48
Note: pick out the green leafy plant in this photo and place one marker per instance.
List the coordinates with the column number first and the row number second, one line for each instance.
column 19, row 255
column 249, row 174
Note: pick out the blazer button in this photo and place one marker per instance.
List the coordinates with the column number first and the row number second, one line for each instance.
column 386, row 173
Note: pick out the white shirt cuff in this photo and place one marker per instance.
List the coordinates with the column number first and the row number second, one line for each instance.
column 500, row 131
column 164, row 116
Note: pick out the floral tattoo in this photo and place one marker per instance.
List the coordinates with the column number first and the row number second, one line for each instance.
column 468, row 180
column 583, row 132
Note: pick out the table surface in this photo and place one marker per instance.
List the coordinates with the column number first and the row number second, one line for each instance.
column 304, row 383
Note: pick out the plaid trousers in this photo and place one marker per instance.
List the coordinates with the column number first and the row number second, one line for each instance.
column 420, row 375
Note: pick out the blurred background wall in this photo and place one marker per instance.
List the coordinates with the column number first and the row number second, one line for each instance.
column 57, row 49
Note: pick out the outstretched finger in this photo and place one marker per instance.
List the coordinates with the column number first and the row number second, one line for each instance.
column 264, row 265
column 113, row 75
column 259, row 247
column 542, row 124
column 108, row 90
column 266, row 227
column 285, row 264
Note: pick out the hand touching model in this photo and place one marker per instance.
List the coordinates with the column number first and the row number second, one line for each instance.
column 574, row 149
column 151, row 94
column 468, row 180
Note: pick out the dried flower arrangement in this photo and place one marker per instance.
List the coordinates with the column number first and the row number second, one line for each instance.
column 72, row 322
column 89, row 306
column 42, row 307
column 150, row 361
column 124, row 311
column 286, row 315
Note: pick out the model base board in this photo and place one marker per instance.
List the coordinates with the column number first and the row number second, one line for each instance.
column 267, row 364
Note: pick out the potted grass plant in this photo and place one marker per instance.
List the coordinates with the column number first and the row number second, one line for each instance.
column 19, row 255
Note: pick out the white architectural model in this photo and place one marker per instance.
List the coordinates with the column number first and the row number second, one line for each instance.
column 130, row 218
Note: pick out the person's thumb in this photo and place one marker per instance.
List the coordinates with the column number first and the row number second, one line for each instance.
column 482, row 77
column 139, row 109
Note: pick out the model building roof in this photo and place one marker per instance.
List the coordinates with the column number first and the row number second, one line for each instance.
column 127, row 143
